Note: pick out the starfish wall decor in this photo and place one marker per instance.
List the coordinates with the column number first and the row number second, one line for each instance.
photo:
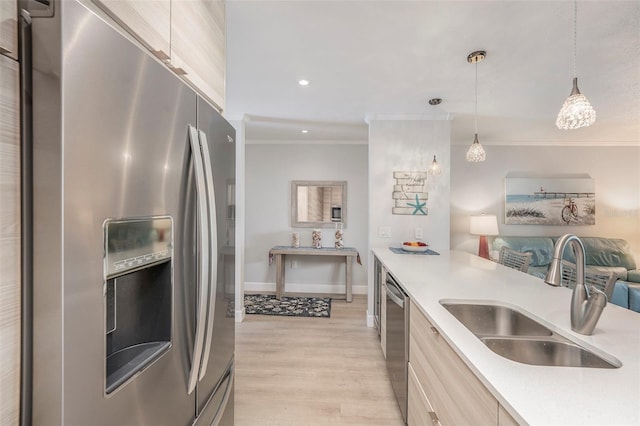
column 409, row 193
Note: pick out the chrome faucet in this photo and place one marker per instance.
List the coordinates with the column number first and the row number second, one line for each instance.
column 586, row 304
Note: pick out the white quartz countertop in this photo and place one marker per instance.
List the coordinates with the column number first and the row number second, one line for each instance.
column 537, row 395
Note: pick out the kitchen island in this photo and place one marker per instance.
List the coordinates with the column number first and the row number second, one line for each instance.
column 528, row 393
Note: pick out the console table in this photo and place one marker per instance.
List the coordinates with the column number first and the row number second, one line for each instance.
column 280, row 252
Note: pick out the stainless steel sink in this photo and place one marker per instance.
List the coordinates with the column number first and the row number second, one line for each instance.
column 496, row 320
column 517, row 336
column 545, row 352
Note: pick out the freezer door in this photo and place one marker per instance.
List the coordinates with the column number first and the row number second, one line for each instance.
column 219, row 410
column 110, row 141
column 220, row 137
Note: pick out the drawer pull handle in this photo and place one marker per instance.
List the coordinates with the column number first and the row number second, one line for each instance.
column 435, row 331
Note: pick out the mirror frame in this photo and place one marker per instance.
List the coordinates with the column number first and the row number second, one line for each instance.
column 295, row 223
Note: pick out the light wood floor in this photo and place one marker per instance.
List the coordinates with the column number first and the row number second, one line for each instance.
column 312, row 371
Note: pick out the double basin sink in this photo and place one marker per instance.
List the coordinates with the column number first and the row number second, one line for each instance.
column 515, row 335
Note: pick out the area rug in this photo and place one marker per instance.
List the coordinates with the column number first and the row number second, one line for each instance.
column 267, row 304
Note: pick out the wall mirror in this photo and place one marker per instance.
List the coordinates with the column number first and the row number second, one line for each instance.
column 318, row 204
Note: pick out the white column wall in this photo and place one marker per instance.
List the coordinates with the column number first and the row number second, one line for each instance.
column 239, row 125
column 407, row 145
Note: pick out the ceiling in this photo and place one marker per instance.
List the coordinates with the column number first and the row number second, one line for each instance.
column 389, row 57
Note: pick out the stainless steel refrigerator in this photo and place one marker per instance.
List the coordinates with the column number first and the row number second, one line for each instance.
column 128, row 225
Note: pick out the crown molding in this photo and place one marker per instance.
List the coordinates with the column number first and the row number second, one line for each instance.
column 305, row 142
column 446, row 116
column 555, row 143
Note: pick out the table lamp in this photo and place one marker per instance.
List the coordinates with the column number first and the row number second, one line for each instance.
column 484, row 225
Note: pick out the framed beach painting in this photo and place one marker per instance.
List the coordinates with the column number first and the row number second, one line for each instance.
column 549, row 201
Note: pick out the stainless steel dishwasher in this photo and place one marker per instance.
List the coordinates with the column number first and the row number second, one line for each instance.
column 397, row 341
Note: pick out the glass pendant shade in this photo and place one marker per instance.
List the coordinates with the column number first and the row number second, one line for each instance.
column 435, row 167
column 576, row 111
column 476, row 153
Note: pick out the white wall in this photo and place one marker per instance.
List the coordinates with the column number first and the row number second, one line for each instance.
column 407, row 145
column 478, row 188
column 239, row 125
column 269, row 169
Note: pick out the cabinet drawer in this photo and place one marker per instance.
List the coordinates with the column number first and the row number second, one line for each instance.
column 419, row 410
column 456, row 394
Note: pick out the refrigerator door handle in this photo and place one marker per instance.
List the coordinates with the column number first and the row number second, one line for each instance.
column 213, row 240
column 203, row 250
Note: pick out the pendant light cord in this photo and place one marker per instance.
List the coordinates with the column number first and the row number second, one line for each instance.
column 476, row 114
column 435, row 143
column 575, row 36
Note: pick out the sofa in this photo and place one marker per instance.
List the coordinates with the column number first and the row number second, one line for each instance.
column 602, row 255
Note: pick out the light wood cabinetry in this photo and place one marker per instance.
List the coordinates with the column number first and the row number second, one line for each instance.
column 148, row 21
column 9, row 241
column 454, row 392
column 9, row 28
column 419, row 410
column 504, row 418
column 188, row 35
column 198, row 45
column 444, row 388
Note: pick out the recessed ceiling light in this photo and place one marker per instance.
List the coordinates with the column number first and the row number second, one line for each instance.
column 305, row 131
column 303, row 82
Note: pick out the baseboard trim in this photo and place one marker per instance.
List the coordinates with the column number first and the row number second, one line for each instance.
column 240, row 315
column 370, row 320
column 304, row 287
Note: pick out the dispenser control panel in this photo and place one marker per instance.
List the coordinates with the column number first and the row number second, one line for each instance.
column 134, row 243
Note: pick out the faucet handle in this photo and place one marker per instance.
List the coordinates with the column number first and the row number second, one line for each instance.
column 593, row 291
column 586, row 321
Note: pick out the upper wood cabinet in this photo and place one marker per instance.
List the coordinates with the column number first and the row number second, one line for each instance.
column 148, row 21
column 10, row 243
column 9, row 28
column 189, row 35
column 198, row 45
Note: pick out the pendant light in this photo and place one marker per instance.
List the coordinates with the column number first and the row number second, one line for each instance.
column 576, row 111
column 476, row 152
column 435, row 168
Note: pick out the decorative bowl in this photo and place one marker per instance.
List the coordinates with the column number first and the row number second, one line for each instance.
column 415, row 246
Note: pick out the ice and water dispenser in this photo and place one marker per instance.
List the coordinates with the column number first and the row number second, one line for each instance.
column 138, row 296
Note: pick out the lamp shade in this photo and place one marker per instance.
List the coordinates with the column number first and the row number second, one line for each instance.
column 485, row 224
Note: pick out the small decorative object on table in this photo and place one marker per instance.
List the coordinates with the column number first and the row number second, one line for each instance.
column 417, row 246
column 316, row 238
column 339, row 243
column 295, row 240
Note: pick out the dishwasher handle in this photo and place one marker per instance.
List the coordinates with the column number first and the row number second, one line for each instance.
column 394, row 294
